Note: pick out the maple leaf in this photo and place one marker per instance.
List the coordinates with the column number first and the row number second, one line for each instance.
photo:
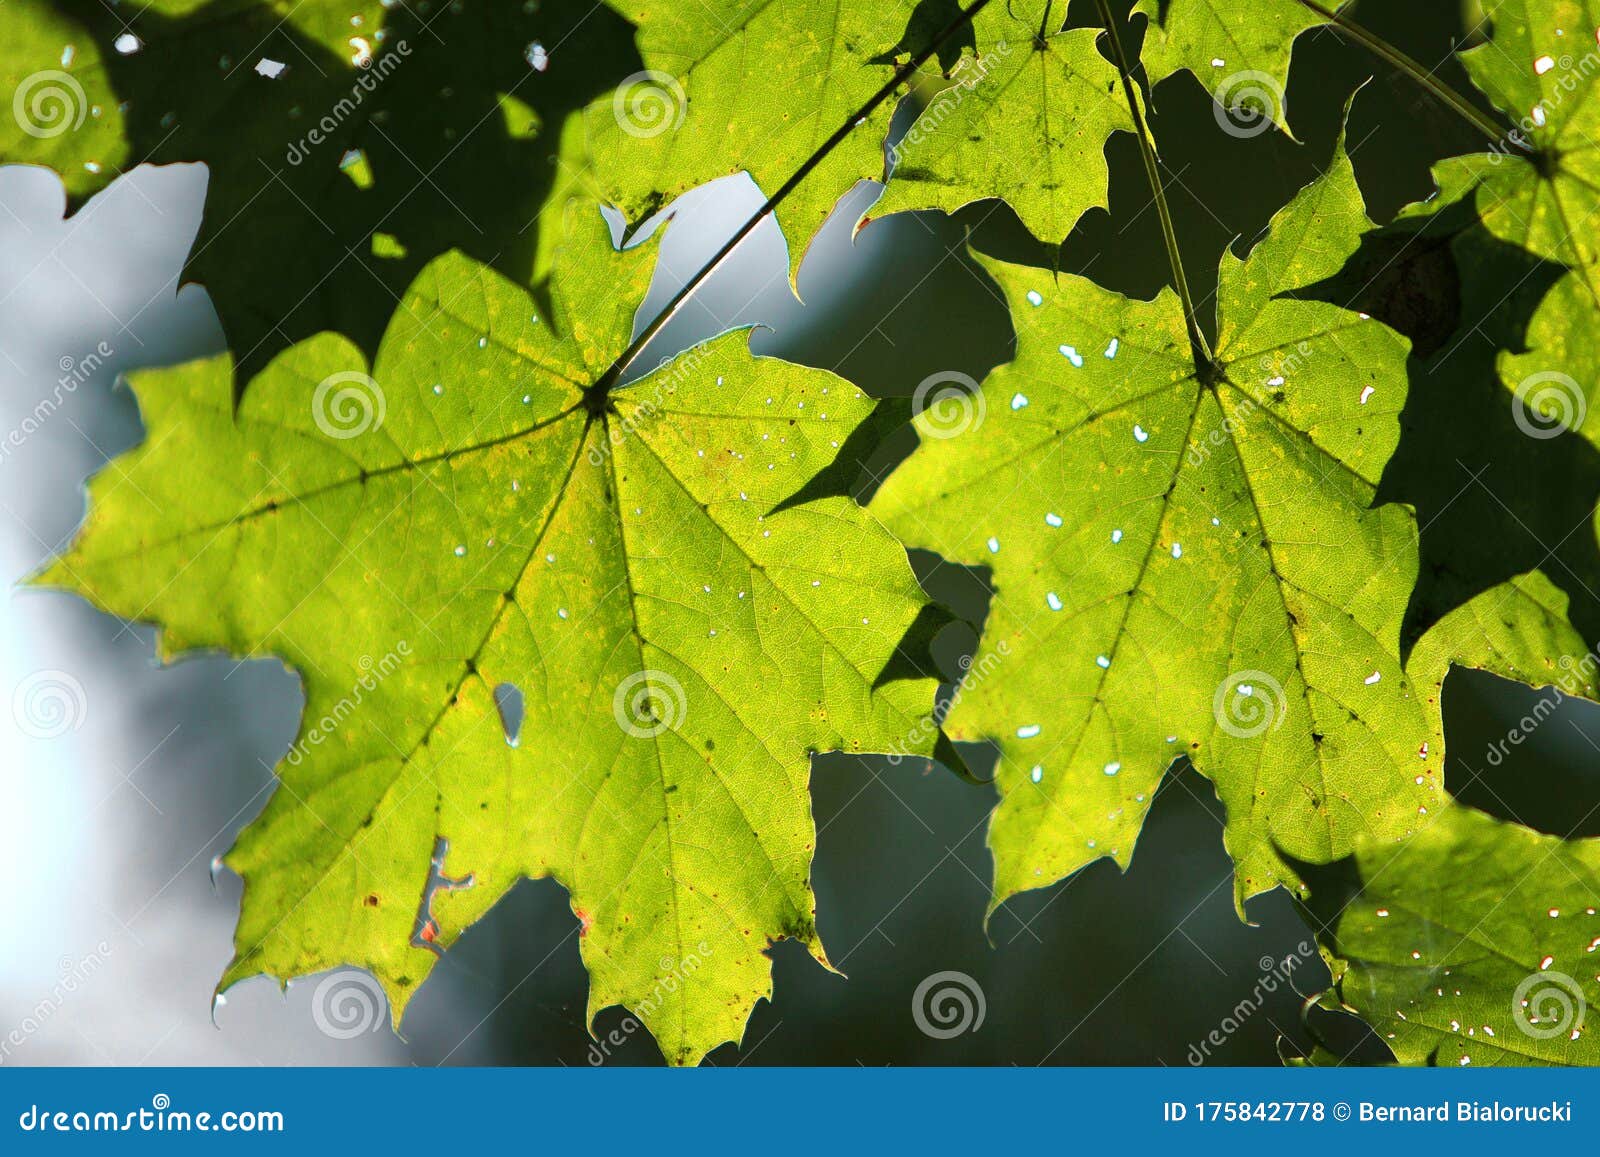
column 758, row 85
column 1238, row 50
column 1026, row 119
column 1186, row 559
column 1489, row 383
column 1537, row 186
column 1469, row 943
column 491, row 515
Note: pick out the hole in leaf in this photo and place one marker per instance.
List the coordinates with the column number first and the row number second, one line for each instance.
column 508, row 701
column 425, row 930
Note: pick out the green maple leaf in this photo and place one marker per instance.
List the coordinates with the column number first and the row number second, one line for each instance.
column 1026, row 119
column 1469, row 941
column 1239, row 50
column 1185, row 562
column 1516, row 491
column 489, row 508
column 1537, row 187
column 1519, row 630
column 1472, row 942
column 756, row 85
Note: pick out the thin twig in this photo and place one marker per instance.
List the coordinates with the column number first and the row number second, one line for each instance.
column 1197, row 339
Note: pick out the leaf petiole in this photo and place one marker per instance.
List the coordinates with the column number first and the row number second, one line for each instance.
column 1414, row 70
column 1201, row 350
